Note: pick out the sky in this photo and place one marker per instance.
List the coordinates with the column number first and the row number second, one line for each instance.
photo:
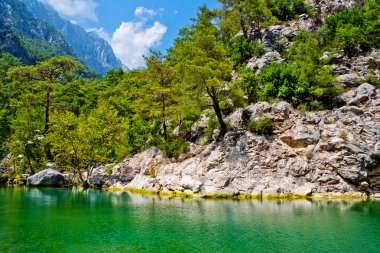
column 132, row 27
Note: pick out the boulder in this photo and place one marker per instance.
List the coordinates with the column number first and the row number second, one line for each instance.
column 282, row 110
column 301, row 136
column 328, row 179
column 348, row 79
column 255, row 64
column 47, row 178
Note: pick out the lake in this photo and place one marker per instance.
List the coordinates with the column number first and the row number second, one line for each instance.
column 61, row 220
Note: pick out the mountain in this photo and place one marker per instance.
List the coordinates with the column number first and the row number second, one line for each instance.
column 94, row 51
column 28, row 37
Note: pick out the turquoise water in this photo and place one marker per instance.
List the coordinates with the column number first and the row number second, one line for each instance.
column 51, row 220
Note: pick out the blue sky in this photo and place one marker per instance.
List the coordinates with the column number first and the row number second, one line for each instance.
column 132, row 27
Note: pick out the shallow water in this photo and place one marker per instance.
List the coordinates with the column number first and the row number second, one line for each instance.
column 51, row 220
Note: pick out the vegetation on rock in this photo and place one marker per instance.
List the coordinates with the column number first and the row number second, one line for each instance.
column 56, row 110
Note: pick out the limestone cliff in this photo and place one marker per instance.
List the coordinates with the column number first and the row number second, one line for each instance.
column 335, row 151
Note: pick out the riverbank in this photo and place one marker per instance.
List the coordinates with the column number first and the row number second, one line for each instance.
column 332, row 154
column 320, row 154
column 257, row 196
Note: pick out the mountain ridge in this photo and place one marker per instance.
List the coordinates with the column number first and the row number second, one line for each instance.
column 28, row 37
column 94, row 51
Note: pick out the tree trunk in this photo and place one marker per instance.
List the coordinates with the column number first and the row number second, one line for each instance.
column 47, row 109
column 30, row 166
column 243, row 27
column 218, row 112
column 164, row 118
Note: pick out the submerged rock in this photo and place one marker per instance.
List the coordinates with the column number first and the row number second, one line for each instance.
column 47, row 178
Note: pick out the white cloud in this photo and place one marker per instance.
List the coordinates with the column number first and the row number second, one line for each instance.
column 132, row 40
column 142, row 12
column 74, row 8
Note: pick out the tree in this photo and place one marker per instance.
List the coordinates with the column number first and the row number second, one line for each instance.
column 79, row 143
column 6, row 62
column 203, row 63
column 27, row 142
column 160, row 95
column 44, row 77
column 244, row 14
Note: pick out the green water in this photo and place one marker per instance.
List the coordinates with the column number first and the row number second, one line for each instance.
column 50, row 220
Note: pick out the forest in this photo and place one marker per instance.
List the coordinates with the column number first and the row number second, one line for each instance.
column 59, row 111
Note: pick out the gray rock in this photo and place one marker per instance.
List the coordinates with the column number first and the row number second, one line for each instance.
column 348, row 79
column 301, row 136
column 306, row 155
column 365, row 89
column 329, row 179
column 255, row 64
column 282, row 110
column 47, row 178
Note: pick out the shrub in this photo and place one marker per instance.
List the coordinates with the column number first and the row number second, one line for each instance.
column 343, row 135
column 350, row 38
column 249, row 84
column 262, row 126
column 242, row 49
column 302, row 109
column 375, row 81
column 212, row 124
column 284, row 81
column 174, row 148
column 289, row 9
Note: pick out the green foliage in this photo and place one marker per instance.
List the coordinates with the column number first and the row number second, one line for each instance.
column 262, row 126
column 350, row 38
column 239, row 15
column 241, row 49
column 212, row 124
column 289, row 9
column 284, row 81
column 249, row 84
column 80, row 143
column 26, row 146
column 174, row 148
column 203, row 63
column 343, row 135
column 354, row 29
column 375, row 81
column 39, row 50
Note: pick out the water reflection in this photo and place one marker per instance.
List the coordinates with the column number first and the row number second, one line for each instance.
column 93, row 220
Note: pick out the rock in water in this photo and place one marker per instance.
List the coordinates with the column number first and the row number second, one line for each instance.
column 47, row 177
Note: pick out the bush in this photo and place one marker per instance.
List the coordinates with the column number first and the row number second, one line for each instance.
column 284, row 81
column 375, row 81
column 249, row 84
column 262, row 126
column 350, row 39
column 343, row 135
column 242, row 49
column 174, row 148
column 212, row 124
column 352, row 30
column 289, row 9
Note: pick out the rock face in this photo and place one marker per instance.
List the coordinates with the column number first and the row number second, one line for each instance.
column 47, row 178
column 258, row 63
column 17, row 24
column 94, row 51
column 318, row 152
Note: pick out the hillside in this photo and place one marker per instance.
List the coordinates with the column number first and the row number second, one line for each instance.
column 92, row 50
column 27, row 37
column 256, row 98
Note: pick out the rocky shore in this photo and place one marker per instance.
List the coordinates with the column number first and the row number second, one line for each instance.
column 333, row 153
